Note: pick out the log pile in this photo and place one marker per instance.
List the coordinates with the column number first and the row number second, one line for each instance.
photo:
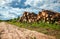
column 44, row 15
column 28, row 17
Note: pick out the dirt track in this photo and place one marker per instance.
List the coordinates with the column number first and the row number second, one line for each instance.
column 8, row 31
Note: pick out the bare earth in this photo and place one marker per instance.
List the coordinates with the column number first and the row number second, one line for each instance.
column 8, row 31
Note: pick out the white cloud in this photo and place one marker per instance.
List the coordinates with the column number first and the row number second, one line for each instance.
column 8, row 2
column 8, row 12
column 44, row 4
column 32, row 2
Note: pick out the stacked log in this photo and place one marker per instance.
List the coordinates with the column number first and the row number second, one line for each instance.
column 49, row 16
column 28, row 17
column 44, row 15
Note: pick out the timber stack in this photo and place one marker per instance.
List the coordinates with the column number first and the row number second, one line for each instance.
column 45, row 16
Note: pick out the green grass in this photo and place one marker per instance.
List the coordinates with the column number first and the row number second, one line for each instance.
column 36, row 25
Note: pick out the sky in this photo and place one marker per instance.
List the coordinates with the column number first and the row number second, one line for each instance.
column 10, row 9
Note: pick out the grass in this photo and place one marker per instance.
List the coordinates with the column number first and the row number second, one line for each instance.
column 36, row 25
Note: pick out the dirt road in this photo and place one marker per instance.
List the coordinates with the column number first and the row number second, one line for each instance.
column 8, row 31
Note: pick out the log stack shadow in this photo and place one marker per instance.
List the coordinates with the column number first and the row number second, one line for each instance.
column 45, row 16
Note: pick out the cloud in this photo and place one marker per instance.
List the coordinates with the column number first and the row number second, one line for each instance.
column 10, row 9
column 11, row 13
column 6, row 13
column 45, row 4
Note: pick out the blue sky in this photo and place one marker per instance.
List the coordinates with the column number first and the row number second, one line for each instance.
column 10, row 9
